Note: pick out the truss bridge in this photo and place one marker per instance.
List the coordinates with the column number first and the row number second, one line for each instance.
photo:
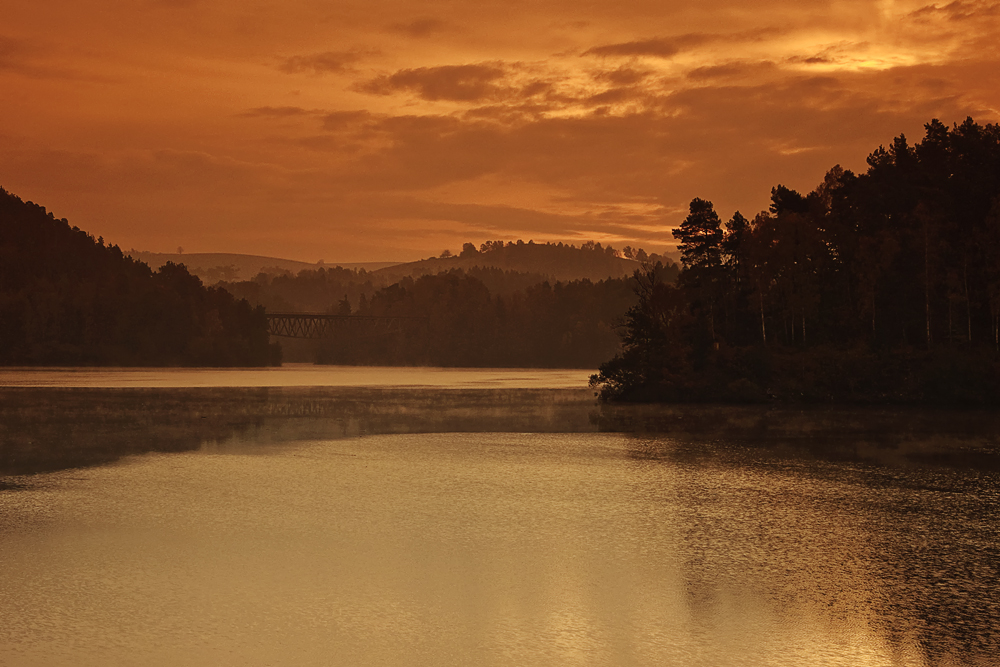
column 309, row 325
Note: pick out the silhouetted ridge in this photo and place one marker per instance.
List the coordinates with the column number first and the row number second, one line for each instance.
column 549, row 261
column 67, row 298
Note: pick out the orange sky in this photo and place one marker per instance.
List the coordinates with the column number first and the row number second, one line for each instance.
column 380, row 130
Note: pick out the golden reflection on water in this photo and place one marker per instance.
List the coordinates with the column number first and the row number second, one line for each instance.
column 297, row 375
column 497, row 549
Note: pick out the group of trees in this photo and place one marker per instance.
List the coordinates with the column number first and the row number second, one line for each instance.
column 466, row 310
column 67, row 298
column 505, row 268
column 878, row 285
column 549, row 261
column 308, row 291
column 628, row 252
column 455, row 320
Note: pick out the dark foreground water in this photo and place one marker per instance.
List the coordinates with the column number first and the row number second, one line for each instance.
column 488, row 524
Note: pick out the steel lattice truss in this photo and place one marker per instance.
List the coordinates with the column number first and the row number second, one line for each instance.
column 304, row 325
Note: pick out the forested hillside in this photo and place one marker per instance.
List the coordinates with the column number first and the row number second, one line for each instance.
column 457, row 321
column 474, row 317
column 67, row 298
column 549, row 261
column 881, row 286
column 503, row 268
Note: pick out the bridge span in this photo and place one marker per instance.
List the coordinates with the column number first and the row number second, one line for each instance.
column 315, row 325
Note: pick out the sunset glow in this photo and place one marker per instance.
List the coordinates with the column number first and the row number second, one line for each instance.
column 391, row 131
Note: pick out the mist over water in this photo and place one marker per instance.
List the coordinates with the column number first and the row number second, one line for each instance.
column 488, row 525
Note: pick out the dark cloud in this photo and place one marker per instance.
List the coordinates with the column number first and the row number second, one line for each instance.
column 469, row 221
column 934, row 83
column 734, row 70
column 17, row 55
column 723, row 142
column 617, row 95
column 621, row 175
column 276, row 112
column 660, row 47
column 175, row 4
column 510, row 114
column 8, row 48
column 558, row 143
column 840, row 52
column 622, row 76
column 536, row 88
column 492, row 218
column 459, row 83
column 334, row 62
column 422, row 27
column 667, row 47
column 32, row 60
column 958, row 11
column 343, row 120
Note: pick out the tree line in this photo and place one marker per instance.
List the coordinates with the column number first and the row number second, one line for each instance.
column 68, row 298
column 877, row 286
column 479, row 315
column 457, row 321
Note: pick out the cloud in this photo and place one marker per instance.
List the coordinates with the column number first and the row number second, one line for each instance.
column 34, row 60
column 811, row 60
column 667, row 47
column 175, row 4
column 421, row 27
column 616, row 95
column 622, row 76
column 957, row 11
column 738, row 69
column 511, row 114
column 342, row 120
column 514, row 90
column 467, row 221
column 9, row 47
column 659, row 47
column 492, row 172
column 724, row 142
column 452, row 139
column 844, row 53
column 276, row 112
column 328, row 62
column 16, row 55
column 459, row 83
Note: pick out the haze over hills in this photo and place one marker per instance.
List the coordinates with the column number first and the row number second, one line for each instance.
column 534, row 262
column 68, row 298
column 549, row 261
column 212, row 267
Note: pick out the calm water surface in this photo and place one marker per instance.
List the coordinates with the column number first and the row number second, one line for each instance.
column 294, row 375
column 483, row 524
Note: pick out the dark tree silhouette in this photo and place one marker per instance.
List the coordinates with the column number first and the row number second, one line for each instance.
column 882, row 286
column 67, row 298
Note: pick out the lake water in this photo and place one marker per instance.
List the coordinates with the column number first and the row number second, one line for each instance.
column 416, row 517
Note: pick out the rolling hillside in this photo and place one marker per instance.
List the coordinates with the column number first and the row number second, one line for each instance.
column 552, row 262
column 212, row 267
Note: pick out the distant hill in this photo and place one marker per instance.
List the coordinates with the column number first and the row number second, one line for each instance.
column 539, row 262
column 503, row 269
column 549, row 261
column 213, row 267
